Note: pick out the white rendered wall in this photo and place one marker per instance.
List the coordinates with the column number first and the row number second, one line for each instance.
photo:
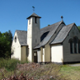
column 39, row 56
column 16, row 48
column 33, row 36
column 57, row 54
column 43, row 54
column 29, row 40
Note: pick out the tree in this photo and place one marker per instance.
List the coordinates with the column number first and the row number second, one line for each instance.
column 5, row 44
column 79, row 28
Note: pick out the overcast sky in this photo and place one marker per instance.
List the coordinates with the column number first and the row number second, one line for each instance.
column 13, row 13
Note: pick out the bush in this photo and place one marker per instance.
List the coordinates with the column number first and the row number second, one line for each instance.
column 22, row 62
column 9, row 64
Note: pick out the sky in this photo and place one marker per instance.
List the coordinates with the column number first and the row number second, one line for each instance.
column 13, row 13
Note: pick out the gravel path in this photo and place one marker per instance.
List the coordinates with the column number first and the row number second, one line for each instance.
column 74, row 64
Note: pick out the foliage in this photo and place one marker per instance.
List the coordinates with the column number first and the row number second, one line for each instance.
column 79, row 28
column 5, row 44
column 33, row 71
column 9, row 64
column 23, row 62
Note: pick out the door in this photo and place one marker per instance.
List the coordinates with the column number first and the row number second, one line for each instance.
column 35, row 56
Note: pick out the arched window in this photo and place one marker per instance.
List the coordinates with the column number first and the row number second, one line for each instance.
column 71, row 46
column 30, row 21
column 35, row 19
column 79, row 46
column 15, row 39
column 75, row 44
column 44, row 35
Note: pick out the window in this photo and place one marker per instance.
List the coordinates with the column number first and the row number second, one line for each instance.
column 71, row 47
column 35, row 54
column 75, row 45
column 35, row 19
column 79, row 47
column 44, row 35
column 15, row 39
column 29, row 21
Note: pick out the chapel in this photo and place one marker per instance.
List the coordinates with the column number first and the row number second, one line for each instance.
column 57, row 43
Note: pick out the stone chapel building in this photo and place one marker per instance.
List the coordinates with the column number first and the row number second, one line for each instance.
column 58, row 43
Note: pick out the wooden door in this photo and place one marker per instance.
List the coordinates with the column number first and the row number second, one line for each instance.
column 35, row 57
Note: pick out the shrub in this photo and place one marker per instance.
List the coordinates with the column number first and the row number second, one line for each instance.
column 9, row 64
column 2, row 62
column 22, row 62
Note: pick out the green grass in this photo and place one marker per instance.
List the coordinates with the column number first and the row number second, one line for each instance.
column 72, row 72
column 10, row 64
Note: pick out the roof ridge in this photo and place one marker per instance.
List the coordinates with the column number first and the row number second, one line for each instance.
column 34, row 15
column 52, row 24
column 70, row 24
column 21, row 30
column 51, row 32
column 22, row 36
column 69, row 27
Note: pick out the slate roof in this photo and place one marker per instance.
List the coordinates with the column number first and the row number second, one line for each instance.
column 62, row 34
column 22, row 36
column 34, row 15
column 52, row 28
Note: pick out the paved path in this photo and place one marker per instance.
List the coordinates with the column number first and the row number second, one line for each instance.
column 74, row 64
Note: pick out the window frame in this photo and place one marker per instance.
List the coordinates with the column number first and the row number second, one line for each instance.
column 29, row 21
column 79, row 46
column 71, row 46
column 74, row 45
column 15, row 39
column 36, row 20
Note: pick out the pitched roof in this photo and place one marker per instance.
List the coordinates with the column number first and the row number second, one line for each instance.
column 34, row 15
column 62, row 34
column 22, row 36
column 52, row 28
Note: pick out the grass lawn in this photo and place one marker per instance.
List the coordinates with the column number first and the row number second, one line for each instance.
column 72, row 72
column 36, row 71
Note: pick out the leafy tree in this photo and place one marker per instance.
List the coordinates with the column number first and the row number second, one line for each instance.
column 5, row 44
column 79, row 28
